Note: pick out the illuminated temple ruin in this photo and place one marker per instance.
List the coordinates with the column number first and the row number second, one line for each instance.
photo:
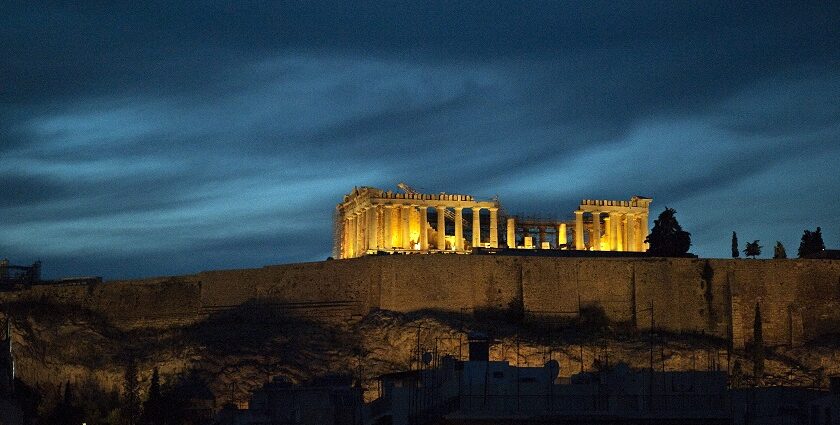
column 371, row 220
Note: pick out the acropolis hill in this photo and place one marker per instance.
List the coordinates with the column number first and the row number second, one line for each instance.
column 242, row 325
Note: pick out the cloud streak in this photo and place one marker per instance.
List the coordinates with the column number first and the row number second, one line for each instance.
column 149, row 139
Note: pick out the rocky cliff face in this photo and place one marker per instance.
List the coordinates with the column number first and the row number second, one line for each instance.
column 235, row 351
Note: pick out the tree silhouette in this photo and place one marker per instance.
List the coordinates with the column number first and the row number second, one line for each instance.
column 131, row 401
column 66, row 412
column 779, row 251
column 735, row 253
column 811, row 243
column 758, row 344
column 667, row 238
column 753, row 249
column 153, row 413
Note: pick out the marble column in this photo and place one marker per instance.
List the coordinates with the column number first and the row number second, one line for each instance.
column 619, row 233
column 441, row 228
column 459, row 228
column 371, row 228
column 348, row 237
column 631, row 232
column 494, row 227
column 511, row 232
column 561, row 235
column 424, row 228
column 386, row 226
column 476, row 227
column 595, row 243
column 405, row 227
column 608, row 232
column 644, row 232
column 396, row 234
column 359, row 245
column 579, row 230
column 615, row 221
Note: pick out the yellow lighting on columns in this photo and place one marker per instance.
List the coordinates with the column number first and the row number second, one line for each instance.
column 405, row 223
column 615, row 219
column 494, row 227
column 424, row 228
column 371, row 228
column 511, row 232
column 561, row 235
column 441, row 228
column 476, row 227
column 387, row 227
column 459, row 228
column 579, row 230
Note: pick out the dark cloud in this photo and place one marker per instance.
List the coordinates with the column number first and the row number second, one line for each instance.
column 142, row 138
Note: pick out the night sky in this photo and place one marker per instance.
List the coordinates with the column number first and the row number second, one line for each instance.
column 147, row 138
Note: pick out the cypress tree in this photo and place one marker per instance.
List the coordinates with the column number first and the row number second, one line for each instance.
column 131, row 402
column 153, row 408
column 735, row 253
column 779, row 251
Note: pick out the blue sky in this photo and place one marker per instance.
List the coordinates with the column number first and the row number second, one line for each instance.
column 152, row 139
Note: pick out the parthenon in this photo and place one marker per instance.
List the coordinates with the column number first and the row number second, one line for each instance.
column 371, row 221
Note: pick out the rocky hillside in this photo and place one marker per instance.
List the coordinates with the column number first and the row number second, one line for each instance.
column 236, row 351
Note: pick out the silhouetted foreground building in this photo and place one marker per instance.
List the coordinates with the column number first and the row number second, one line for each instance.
column 329, row 400
column 479, row 391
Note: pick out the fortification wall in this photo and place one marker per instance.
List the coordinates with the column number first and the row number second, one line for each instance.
column 456, row 283
column 799, row 299
column 162, row 301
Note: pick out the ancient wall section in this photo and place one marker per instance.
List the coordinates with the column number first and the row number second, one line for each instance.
column 151, row 302
column 557, row 288
column 448, row 282
column 686, row 295
column 343, row 287
column 800, row 299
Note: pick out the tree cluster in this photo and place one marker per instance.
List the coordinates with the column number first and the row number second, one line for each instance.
column 812, row 243
column 86, row 402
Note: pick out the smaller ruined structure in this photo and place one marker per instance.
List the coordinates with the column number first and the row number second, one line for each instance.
column 11, row 275
column 371, row 220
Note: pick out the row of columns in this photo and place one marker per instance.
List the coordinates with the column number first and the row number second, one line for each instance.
column 511, row 233
column 619, row 227
column 361, row 229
